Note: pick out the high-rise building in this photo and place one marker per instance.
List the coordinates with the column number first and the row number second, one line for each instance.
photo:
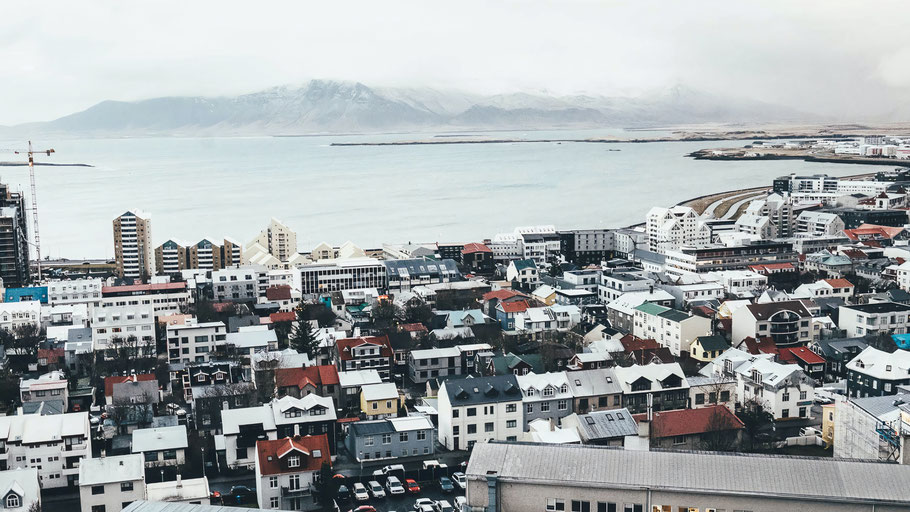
column 173, row 256
column 170, row 258
column 277, row 239
column 133, row 245
column 14, row 255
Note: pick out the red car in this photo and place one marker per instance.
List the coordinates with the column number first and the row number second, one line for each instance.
column 412, row 486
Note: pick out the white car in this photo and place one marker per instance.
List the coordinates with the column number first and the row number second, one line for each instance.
column 444, row 506
column 375, row 489
column 360, row 492
column 460, row 502
column 393, row 485
column 459, row 480
column 421, row 504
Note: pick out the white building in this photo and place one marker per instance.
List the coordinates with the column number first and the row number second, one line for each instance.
column 20, row 490
column 192, row 490
column 618, row 282
column 862, row 319
column 524, row 272
column 251, row 339
column 825, row 288
column 55, row 445
column 194, row 342
column 779, row 212
column 277, row 239
column 74, row 291
column 669, row 327
column 548, row 319
column 479, row 409
column 246, row 283
column 819, row 223
column 788, row 323
column 112, row 323
column 342, row 274
column 16, row 314
column 161, row 446
column 286, row 470
column 670, row 228
column 740, row 283
column 109, row 484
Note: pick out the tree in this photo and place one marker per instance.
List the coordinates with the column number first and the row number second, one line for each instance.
column 205, row 311
column 755, row 418
column 721, row 432
column 385, row 315
column 324, row 316
column 327, row 487
column 283, row 332
column 419, row 313
column 303, row 335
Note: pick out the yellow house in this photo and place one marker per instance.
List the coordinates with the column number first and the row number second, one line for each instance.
column 379, row 400
column 546, row 294
column 706, row 348
column 828, row 412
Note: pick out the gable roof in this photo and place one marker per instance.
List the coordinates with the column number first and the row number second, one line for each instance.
column 517, row 306
column 269, row 453
column 110, row 381
column 502, row 295
column 475, row 247
column 482, row 390
column 800, row 353
column 524, row 264
column 322, row 375
column 712, row 343
column 345, row 345
column 607, row 424
column 683, row 422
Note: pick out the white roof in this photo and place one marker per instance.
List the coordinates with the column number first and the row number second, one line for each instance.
column 627, row 302
column 773, row 373
column 653, row 372
column 384, row 391
column 232, row 419
column 540, row 381
column 356, row 378
column 435, row 352
column 161, row 438
column 188, row 489
column 250, row 338
column 32, row 428
column 882, row 365
column 540, row 431
column 280, row 406
column 544, row 291
column 24, row 482
column 409, row 423
column 105, row 470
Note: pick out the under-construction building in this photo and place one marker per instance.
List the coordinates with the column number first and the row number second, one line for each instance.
column 14, row 255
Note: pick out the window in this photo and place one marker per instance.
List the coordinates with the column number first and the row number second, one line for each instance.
column 126, row 486
column 97, row 508
column 472, row 411
column 679, row 440
column 785, row 413
column 472, row 429
column 12, row 501
column 724, row 396
column 529, row 407
column 545, row 407
column 294, row 462
column 274, row 502
column 511, row 408
column 368, row 441
column 97, row 489
column 273, row 482
column 554, row 504
column 562, row 405
column 581, row 506
column 170, row 455
column 386, row 438
column 455, row 413
column 488, row 427
column 294, row 482
column 606, row 507
column 511, row 424
column 802, row 395
column 785, row 397
column 153, row 456
column 421, row 435
column 403, row 437
column 699, row 399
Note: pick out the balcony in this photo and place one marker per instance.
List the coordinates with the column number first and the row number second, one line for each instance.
column 287, row 492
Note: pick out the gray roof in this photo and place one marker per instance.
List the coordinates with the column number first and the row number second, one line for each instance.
column 44, row 408
column 607, row 424
column 371, row 428
column 483, row 390
column 422, row 267
column 165, row 506
column 772, row 476
column 881, row 405
column 79, row 334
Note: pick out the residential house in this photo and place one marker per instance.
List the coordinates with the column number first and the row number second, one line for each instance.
column 435, row 362
column 877, row 373
column 286, row 470
column 192, row 491
column 523, row 272
column 788, row 323
column 365, row 353
column 351, row 382
column 837, row 353
column 20, row 490
column 548, row 319
column 609, row 427
column 825, row 288
column 479, row 409
column 55, row 445
column 713, row 428
column 507, row 311
column 379, row 401
column 512, row 364
column 194, row 342
column 662, row 386
column 594, row 390
column 813, row 365
column 862, row 319
column 162, row 446
column 671, row 328
column 621, row 281
column 299, row 382
column 621, row 311
column 706, row 348
column 51, row 386
column 110, row 484
column 409, row 436
column 546, row 396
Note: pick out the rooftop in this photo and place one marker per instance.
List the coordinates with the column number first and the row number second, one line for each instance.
column 105, row 470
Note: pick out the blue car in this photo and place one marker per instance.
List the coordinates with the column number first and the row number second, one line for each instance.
column 446, row 485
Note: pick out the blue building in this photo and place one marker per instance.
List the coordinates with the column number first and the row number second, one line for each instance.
column 26, row 294
column 391, row 438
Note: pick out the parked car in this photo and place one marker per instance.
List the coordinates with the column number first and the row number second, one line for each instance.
column 460, row 480
column 446, row 485
column 393, row 485
column 424, row 502
column 444, row 506
column 360, row 492
column 412, row 486
column 344, row 494
column 364, row 508
column 375, row 489
column 393, row 469
column 460, row 502
column 425, row 508
column 243, row 494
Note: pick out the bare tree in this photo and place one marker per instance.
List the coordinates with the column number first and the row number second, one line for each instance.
column 721, row 433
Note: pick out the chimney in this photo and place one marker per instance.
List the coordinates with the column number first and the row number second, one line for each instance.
column 179, row 481
column 644, row 429
column 296, row 430
column 492, row 498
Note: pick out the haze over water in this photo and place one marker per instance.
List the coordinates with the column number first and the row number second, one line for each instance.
column 216, row 187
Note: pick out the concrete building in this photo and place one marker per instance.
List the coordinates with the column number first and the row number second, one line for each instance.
column 507, row 477
column 788, row 323
column 110, row 484
column 286, row 470
column 20, row 490
column 670, row 228
column 871, row 428
column 876, row 373
column 546, row 396
column 666, row 384
column 479, row 409
column 819, row 224
column 863, row 319
column 194, row 342
column 16, row 314
column 410, row 436
column 586, row 246
column 424, row 365
column 728, row 257
column 162, row 446
column 405, row 274
column 55, row 445
column 114, row 325
column 594, row 390
column 671, row 328
column 191, row 491
column 342, row 274
column 14, row 240
column 133, row 248
column 74, row 291
column 239, row 284
column 162, row 298
column 277, row 239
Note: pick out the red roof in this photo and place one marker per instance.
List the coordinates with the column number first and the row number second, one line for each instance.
column 273, row 455
column 415, row 327
column 502, row 295
column 322, row 375
column 839, row 283
column 872, row 231
column 514, row 307
column 632, row 343
column 475, row 247
column 110, row 381
column 763, row 345
column 284, row 316
column 854, row 254
column 771, row 267
column 221, row 307
column 803, row 354
column 684, row 422
column 280, row 292
column 133, row 288
column 53, row 355
column 345, row 345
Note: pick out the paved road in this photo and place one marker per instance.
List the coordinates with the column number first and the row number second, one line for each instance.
column 735, row 207
column 713, row 206
column 403, row 503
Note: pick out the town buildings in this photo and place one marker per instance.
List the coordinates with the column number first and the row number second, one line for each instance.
column 14, row 239
column 55, row 445
column 479, row 409
column 110, row 484
column 391, row 438
column 133, row 247
column 286, row 470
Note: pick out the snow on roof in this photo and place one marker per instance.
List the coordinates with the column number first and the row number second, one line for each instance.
column 161, row 438
column 105, row 470
column 384, row 391
column 355, row 378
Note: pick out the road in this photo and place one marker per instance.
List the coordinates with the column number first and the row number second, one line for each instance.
column 405, row 502
column 709, row 211
column 735, row 206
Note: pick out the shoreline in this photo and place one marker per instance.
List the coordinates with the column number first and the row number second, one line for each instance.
column 732, row 136
column 708, row 154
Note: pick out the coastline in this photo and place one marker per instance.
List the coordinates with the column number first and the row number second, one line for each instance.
column 709, row 154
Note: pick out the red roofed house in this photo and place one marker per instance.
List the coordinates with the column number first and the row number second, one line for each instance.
column 873, row 232
column 506, row 311
column 492, row 299
column 287, row 468
column 111, row 382
column 415, row 330
column 50, row 359
column 712, row 428
column 763, row 345
column 300, row 382
column 283, row 316
column 477, row 257
column 812, row 364
column 365, row 353
column 282, row 296
column 772, row 268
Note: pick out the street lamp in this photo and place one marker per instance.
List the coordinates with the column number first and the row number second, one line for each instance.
column 361, row 464
column 203, row 462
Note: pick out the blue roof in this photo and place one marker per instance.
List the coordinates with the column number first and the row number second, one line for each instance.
column 26, row 293
column 901, row 340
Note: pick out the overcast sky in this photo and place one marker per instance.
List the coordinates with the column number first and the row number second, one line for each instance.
column 847, row 59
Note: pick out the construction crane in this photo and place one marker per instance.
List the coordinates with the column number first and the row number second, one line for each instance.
column 34, row 207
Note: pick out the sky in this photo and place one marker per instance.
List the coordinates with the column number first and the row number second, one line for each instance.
column 847, row 60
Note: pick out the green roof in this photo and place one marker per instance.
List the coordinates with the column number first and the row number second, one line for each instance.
column 652, row 309
column 712, row 343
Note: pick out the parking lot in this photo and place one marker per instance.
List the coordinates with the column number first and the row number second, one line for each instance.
column 404, row 502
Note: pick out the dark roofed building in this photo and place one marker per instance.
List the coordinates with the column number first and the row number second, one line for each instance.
column 403, row 275
column 478, row 409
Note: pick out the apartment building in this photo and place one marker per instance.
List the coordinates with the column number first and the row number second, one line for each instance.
column 287, row 469
column 424, row 365
column 277, row 239
column 239, row 284
column 133, row 248
column 112, row 325
column 665, row 385
column 594, row 390
column 586, row 246
column 163, row 298
column 778, row 211
column 479, row 409
column 670, row 228
column 110, row 484
column 788, row 323
column 620, row 281
column 173, row 257
column 194, row 342
column 403, row 275
column 55, row 445
column 671, row 328
column 74, row 291
column 16, row 314
column 546, row 396
column 342, row 274
column 409, row 436
column 862, row 319
column 365, row 353
column 819, row 224
column 876, row 373
column 161, row 446
column 722, row 257
column 14, row 241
